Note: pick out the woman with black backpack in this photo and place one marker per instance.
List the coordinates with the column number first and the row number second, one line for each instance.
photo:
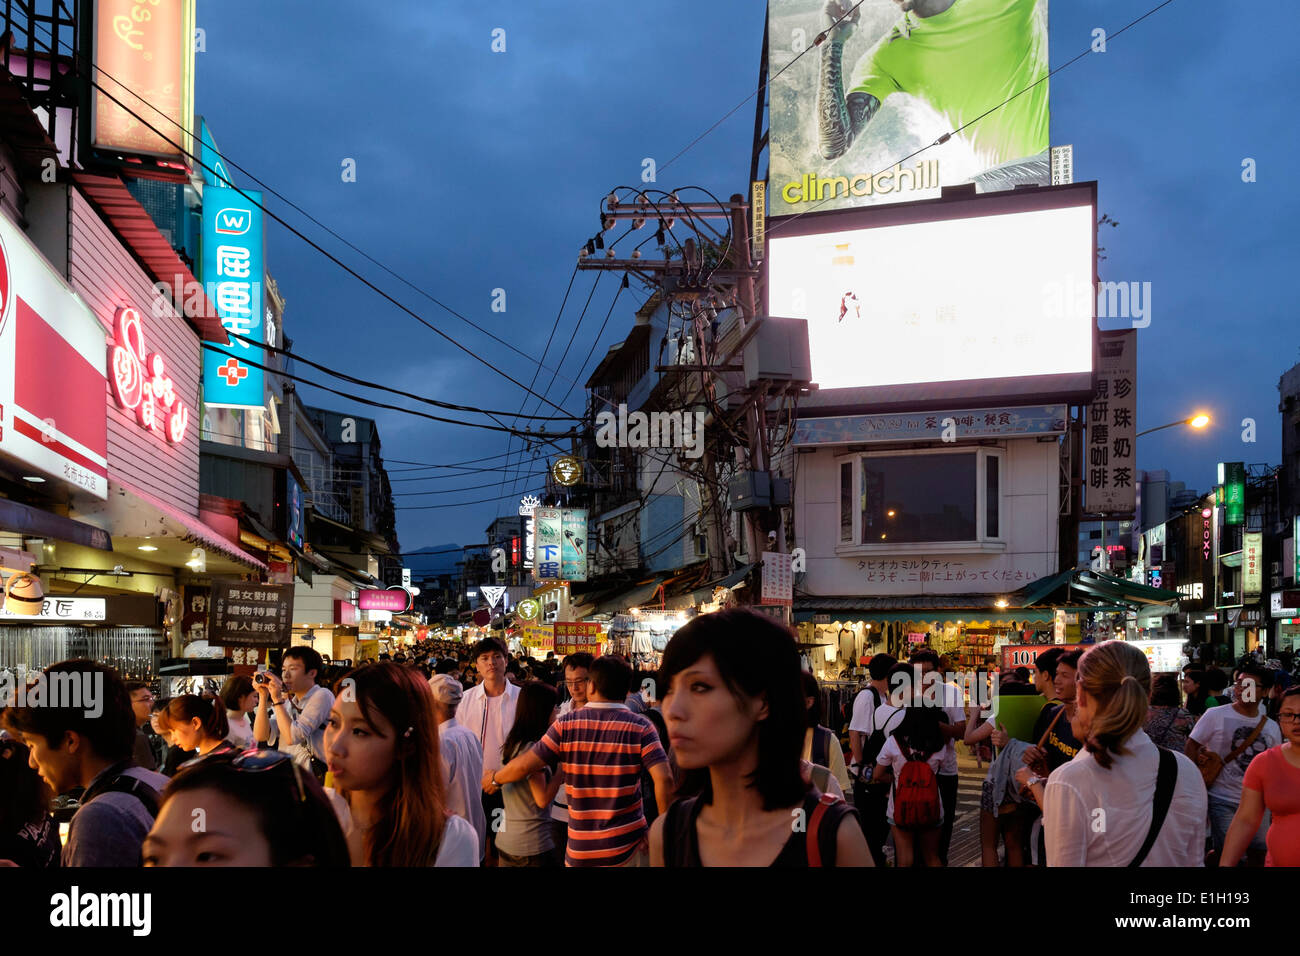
column 910, row 761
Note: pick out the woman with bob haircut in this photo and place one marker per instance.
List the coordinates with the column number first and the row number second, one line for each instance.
column 240, row 698
column 1118, row 773
column 197, row 723
column 257, row 808
column 734, row 706
column 381, row 745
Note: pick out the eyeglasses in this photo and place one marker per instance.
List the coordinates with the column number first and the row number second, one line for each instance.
column 577, row 683
column 1293, row 718
column 254, row 761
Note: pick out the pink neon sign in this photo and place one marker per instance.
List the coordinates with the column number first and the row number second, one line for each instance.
column 392, row 599
column 144, row 385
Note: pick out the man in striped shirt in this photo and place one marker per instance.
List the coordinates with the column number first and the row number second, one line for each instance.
column 602, row 749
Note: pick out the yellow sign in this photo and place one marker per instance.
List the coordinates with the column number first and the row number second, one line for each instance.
column 567, row 470
column 538, row 636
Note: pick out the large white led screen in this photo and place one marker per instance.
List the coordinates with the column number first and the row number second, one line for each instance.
column 992, row 297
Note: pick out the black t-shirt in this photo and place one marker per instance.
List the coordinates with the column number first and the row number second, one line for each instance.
column 36, row 845
column 682, row 845
column 1061, row 744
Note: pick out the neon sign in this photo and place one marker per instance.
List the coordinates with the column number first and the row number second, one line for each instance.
column 143, row 385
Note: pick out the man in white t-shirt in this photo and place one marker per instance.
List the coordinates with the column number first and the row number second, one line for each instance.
column 1224, row 730
column 461, row 756
column 488, row 710
column 873, row 720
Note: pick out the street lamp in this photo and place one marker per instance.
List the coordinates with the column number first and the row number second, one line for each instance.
column 1198, row 421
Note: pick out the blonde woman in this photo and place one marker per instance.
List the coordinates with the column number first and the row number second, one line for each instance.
column 1121, row 801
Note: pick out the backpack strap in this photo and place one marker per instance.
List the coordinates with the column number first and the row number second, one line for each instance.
column 1166, row 778
column 814, row 827
column 118, row 781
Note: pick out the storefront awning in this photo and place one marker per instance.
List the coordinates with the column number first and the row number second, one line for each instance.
column 631, row 598
column 943, row 608
column 137, row 229
column 135, row 517
column 705, row 591
column 18, row 518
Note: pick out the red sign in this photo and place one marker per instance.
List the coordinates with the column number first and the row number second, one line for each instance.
column 143, row 384
column 345, row 613
column 573, row 637
column 1022, row 655
column 396, row 599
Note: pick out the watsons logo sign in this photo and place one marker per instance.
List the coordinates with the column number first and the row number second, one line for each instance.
column 76, row 909
column 234, row 222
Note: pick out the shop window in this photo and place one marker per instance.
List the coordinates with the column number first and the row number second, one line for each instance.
column 992, row 496
column 846, row 501
column 915, row 498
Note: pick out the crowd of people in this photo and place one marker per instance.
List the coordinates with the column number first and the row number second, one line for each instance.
column 456, row 755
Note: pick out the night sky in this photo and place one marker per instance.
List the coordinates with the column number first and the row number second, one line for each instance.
column 478, row 170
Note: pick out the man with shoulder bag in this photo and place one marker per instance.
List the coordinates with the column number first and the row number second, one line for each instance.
column 1223, row 743
column 874, row 719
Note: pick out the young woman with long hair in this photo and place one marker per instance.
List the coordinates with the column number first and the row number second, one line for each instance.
column 258, row 808
column 526, row 839
column 735, row 711
column 1117, row 772
column 381, row 746
column 197, row 723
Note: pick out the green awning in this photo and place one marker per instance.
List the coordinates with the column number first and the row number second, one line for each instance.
column 1037, row 591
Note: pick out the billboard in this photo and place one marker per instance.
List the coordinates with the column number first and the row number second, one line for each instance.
column 847, row 117
column 53, row 414
column 1232, row 491
column 144, row 58
column 232, row 274
column 948, row 295
column 212, row 163
column 561, row 545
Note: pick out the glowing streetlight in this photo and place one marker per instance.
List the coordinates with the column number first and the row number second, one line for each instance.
column 1198, row 421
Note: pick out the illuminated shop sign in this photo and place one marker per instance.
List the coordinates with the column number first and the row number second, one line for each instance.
column 141, row 383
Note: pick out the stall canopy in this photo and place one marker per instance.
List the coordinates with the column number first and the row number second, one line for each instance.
column 943, row 608
column 633, row 597
column 704, row 592
column 1089, row 588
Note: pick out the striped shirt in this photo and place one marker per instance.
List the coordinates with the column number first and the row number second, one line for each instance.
column 602, row 749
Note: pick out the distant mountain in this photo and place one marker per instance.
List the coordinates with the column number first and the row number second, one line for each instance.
column 432, row 560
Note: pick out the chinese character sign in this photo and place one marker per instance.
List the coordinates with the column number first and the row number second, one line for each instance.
column 1110, row 449
column 1232, row 481
column 548, row 546
column 778, row 578
column 576, row 637
column 243, row 614
column 232, row 277
column 1252, row 560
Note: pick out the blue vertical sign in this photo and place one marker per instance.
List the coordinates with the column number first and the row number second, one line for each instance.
column 232, row 276
column 212, row 163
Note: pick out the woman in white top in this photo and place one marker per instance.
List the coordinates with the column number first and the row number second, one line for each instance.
column 240, row 698
column 381, row 746
column 1099, row 807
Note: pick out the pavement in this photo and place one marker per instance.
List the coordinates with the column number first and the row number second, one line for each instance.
column 965, row 847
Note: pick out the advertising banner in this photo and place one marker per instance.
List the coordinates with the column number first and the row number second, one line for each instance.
column 1023, row 655
column 250, row 615
column 930, row 426
column 213, row 165
column 53, row 414
column 548, row 543
column 1110, row 455
column 778, row 578
column 233, row 264
column 573, row 637
column 1232, row 482
column 1163, row 657
column 1001, row 292
column 294, row 523
column 56, row 608
column 887, row 83
column 573, row 554
column 144, row 58
column 394, row 600
column 194, row 616
column 1252, row 565
column 537, row 636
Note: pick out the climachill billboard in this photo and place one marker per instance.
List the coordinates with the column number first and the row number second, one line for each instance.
column 852, row 121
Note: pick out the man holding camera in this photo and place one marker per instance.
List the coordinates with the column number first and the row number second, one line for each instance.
column 301, row 709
